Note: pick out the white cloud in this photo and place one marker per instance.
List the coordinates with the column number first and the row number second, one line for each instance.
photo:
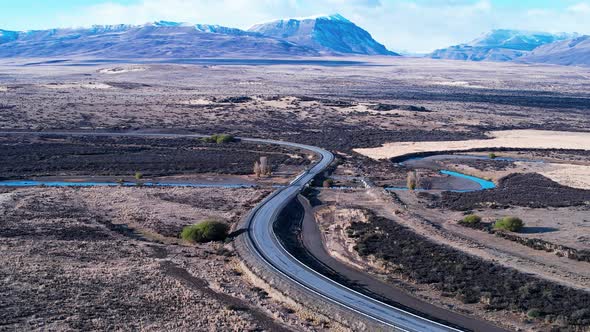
column 420, row 25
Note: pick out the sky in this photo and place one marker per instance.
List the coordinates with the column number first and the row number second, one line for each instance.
column 402, row 25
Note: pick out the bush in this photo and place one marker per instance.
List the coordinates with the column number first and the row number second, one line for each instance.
column 534, row 313
column 206, row 231
column 328, row 183
column 219, row 139
column 471, row 219
column 511, row 224
column 138, row 176
column 492, row 155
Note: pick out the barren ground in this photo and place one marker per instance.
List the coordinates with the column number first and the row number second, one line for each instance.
column 70, row 262
column 344, row 208
column 66, row 244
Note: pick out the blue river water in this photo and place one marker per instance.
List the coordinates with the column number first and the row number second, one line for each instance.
column 30, row 183
column 483, row 183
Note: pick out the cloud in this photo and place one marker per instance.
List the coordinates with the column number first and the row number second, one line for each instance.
column 419, row 25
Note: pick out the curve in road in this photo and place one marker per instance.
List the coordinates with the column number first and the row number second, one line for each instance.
column 264, row 243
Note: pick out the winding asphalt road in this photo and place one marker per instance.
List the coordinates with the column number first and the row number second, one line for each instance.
column 263, row 243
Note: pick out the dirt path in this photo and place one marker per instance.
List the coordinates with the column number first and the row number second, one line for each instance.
column 313, row 241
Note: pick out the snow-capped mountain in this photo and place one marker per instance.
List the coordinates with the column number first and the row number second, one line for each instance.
column 307, row 37
column 499, row 45
column 328, row 34
column 571, row 52
column 155, row 40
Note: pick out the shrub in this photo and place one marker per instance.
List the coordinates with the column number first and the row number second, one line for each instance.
column 206, row 231
column 511, row 224
column 328, row 183
column 471, row 219
column 492, row 155
column 219, row 139
column 534, row 313
column 138, row 176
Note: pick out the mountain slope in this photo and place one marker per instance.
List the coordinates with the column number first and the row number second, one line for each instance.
column 499, row 45
column 329, row 34
column 157, row 40
column 574, row 52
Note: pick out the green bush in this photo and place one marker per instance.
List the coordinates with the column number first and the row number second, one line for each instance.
column 511, row 224
column 219, row 139
column 471, row 219
column 492, row 155
column 328, row 183
column 206, row 231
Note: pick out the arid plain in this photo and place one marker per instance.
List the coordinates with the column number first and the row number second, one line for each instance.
column 525, row 129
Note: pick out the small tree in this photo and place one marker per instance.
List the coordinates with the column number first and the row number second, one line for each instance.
column 265, row 168
column 138, row 176
column 511, row 224
column 412, row 180
column 492, row 155
column 257, row 169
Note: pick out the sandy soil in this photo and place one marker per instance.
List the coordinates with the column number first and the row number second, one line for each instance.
column 565, row 226
column 576, row 176
column 69, row 263
column 525, row 139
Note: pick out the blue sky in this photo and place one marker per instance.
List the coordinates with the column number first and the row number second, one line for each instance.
column 419, row 25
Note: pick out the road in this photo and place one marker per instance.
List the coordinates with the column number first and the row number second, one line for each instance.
column 263, row 243
column 313, row 244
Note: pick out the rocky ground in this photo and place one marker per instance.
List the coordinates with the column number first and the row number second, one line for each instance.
column 345, row 207
column 340, row 107
column 71, row 262
column 23, row 156
column 529, row 190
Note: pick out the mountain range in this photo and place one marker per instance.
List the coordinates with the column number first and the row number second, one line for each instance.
column 295, row 37
column 569, row 52
column 500, row 45
column 323, row 35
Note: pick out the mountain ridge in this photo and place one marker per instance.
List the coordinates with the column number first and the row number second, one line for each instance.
column 500, row 45
column 571, row 52
column 329, row 34
column 338, row 36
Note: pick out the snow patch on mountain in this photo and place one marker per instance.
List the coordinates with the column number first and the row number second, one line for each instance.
column 499, row 45
column 331, row 34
